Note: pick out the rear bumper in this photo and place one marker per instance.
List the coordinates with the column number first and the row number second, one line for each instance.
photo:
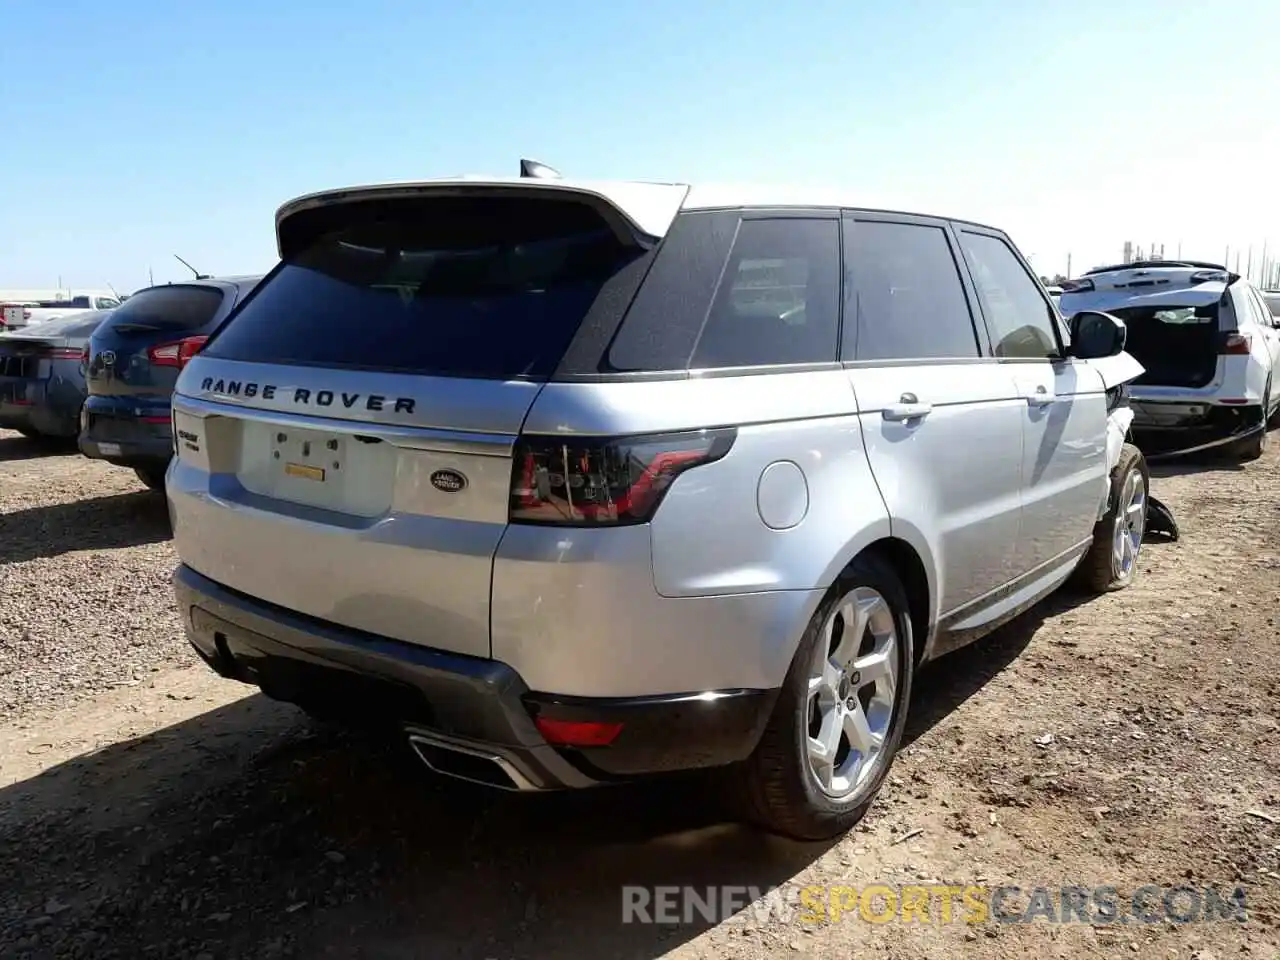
column 1167, row 428
column 35, row 405
column 457, row 703
column 117, row 432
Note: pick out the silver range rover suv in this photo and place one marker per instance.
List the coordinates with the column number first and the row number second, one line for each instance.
column 572, row 482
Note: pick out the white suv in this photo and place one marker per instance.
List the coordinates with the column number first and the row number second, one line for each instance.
column 1210, row 346
column 611, row 479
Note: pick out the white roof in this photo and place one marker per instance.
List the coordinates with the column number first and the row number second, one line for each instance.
column 650, row 206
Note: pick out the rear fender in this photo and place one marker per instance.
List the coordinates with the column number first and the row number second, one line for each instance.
column 1118, row 423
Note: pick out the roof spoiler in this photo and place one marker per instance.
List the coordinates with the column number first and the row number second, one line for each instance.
column 1156, row 264
column 300, row 221
column 1203, row 273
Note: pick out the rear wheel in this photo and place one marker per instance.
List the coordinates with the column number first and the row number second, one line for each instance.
column 840, row 714
column 152, row 475
column 1112, row 560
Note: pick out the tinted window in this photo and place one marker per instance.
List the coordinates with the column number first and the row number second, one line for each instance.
column 906, row 293
column 490, row 287
column 174, row 307
column 1019, row 317
column 82, row 302
column 106, row 303
column 1262, row 309
column 778, row 299
column 1272, row 300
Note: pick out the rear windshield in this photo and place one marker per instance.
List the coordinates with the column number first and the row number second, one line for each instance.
column 491, row 287
column 1171, row 315
column 168, row 308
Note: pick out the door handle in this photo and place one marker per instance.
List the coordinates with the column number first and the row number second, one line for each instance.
column 908, row 407
column 1041, row 397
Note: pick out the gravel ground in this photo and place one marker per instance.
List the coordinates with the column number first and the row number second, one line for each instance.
column 85, row 560
column 149, row 809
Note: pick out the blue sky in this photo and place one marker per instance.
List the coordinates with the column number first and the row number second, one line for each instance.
column 136, row 131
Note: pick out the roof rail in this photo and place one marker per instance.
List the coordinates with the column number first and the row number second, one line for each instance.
column 1141, row 264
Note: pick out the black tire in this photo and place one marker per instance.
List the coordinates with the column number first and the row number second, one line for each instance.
column 152, row 475
column 775, row 784
column 1098, row 570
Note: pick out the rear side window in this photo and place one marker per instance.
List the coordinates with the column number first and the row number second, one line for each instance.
column 1261, row 309
column 492, row 287
column 778, row 300
column 173, row 308
column 906, row 293
column 1020, row 318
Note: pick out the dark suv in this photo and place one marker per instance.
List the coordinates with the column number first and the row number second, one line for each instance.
column 133, row 360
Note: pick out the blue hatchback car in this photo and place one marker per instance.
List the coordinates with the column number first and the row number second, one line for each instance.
column 134, row 359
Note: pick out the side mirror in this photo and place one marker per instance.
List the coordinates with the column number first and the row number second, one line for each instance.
column 1095, row 335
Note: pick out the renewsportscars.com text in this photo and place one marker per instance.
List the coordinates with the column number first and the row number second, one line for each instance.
column 932, row 903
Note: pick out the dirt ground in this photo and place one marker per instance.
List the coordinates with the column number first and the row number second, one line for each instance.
column 151, row 810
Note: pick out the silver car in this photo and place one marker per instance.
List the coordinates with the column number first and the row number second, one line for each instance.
column 575, row 482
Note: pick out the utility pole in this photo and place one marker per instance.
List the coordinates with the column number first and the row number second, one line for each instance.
column 1068, row 264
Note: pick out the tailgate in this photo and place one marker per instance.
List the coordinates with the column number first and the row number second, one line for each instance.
column 30, row 358
column 384, row 527
column 345, row 440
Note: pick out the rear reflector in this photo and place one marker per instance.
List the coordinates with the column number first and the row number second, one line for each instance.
column 155, row 420
column 578, row 733
column 580, row 481
column 177, row 353
column 1236, row 344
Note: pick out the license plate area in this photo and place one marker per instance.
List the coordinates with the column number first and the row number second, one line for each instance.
column 328, row 470
column 307, row 455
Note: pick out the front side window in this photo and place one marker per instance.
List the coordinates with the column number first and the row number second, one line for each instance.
column 1020, row 319
column 906, row 292
column 778, row 299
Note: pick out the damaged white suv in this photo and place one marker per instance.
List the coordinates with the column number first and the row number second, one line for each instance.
column 572, row 482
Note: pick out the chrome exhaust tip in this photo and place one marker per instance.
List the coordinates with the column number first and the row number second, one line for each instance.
column 467, row 763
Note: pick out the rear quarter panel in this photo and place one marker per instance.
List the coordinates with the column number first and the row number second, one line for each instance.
column 707, row 595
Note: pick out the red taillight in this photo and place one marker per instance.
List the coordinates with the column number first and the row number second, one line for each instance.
column 578, row 733
column 66, row 353
column 177, row 353
column 609, row 482
column 1237, row 344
